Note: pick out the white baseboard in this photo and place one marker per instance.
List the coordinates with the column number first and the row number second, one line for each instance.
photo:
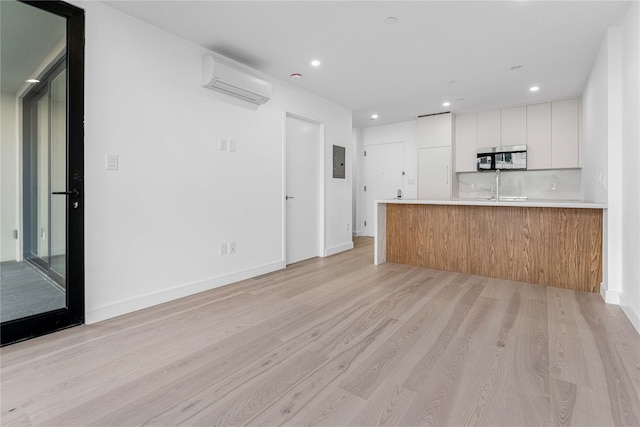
column 613, row 297
column 633, row 317
column 337, row 249
column 610, row 297
column 127, row 306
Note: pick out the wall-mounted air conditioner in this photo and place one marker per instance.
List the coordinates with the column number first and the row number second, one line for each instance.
column 234, row 81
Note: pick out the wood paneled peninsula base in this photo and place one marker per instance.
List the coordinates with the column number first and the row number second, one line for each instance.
column 552, row 244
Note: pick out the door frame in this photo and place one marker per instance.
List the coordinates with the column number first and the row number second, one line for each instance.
column 364, row 179
column 44, row 323
column 321, row 184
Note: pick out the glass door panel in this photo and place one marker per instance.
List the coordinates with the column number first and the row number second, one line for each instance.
column 42, row 241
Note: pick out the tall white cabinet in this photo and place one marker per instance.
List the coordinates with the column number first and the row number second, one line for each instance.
column 434, row 156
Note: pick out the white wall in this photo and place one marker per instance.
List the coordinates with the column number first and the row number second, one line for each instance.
column 630, row 109
column 8, row 171
column 153, row 227
column 594, row 130
column 610, row 105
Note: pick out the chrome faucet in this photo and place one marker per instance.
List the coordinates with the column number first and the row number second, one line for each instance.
column 497, row 185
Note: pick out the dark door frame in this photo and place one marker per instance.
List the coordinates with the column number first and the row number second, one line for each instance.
column 44, row 323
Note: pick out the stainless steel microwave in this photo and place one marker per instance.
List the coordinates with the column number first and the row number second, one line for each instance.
column 513, row 157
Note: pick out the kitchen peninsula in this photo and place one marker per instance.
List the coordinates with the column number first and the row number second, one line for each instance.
column 547, row 243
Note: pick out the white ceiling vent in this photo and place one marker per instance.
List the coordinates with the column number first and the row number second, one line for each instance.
column 234, row 81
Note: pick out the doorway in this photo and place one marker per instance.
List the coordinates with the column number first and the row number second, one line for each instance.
column 303, row 189
column 42, row 264
column 383, row 177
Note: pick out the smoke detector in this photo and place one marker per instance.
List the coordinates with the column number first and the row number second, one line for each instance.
column 296, row 76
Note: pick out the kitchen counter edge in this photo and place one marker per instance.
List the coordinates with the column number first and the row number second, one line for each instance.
column 525, row 204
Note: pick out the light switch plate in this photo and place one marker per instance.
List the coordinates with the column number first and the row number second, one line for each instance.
column 112, row 162
column 232, row 145
column 223, row 144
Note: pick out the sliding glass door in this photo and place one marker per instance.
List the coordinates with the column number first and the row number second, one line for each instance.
column 42, row 240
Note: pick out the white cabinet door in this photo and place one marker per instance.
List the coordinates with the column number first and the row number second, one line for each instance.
column 442, row 130
column 513, row 125
column 489, row 129
column 564, row 134
column 539, row 136
column 425, row 132
column 434, row 173
column 466, row 142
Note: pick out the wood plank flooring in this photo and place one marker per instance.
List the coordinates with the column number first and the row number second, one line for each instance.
column 338, row 341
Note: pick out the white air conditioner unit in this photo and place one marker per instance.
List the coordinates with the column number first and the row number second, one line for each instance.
column 231, row 80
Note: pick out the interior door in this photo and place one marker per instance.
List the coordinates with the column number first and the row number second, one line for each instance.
column 303, row 154
column 42, row 277
column 383, row 170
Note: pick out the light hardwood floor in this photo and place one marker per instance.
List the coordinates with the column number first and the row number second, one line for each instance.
column 338, row 341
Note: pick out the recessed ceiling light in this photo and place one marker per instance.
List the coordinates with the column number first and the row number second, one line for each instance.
column 391, row 20
column 374, row 117
column 534, row 88
column 296, row 76
column 515, row 67
column 32, row 81
column 446, row 104
column 315, row 63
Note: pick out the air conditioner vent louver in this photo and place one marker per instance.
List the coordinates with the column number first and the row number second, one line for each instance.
column 230, row 80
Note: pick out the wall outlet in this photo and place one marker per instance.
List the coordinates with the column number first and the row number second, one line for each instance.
column 111, row 162
column 223, row 248
column 223, row 144
column 232, row 247
column 346, row 226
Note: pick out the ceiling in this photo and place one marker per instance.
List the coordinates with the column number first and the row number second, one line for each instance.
column 27, row 36
column 436, row 51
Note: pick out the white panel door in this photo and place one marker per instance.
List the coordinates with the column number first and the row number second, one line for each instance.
column 303, row 154
column 434, row 173
column 383, row 165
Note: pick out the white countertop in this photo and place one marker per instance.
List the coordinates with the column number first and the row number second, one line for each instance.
column 524, row 203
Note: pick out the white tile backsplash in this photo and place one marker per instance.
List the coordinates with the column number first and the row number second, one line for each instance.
column 556, row 184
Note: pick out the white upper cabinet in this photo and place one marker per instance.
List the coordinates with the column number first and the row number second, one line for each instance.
column 489, row 129
column 564, row 134
column 434, row 131
column 466, row 142
column 442, row 129
column 425, row 132
column 539, row 136
column 550, row 131
column 513, row 126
